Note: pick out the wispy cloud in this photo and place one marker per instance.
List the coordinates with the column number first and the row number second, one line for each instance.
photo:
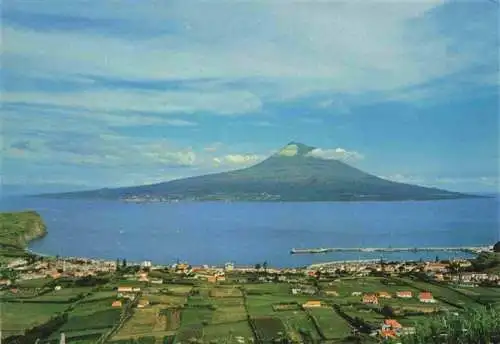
column 335, row 154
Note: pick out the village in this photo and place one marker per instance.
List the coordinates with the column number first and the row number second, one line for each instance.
column 375, row 300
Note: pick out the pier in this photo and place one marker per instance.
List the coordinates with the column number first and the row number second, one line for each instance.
column 466, row 249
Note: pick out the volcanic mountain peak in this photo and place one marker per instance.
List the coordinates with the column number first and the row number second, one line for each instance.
column 297, row 172
column 295, row 149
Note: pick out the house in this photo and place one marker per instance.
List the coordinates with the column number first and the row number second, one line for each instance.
column 436, row 267
column 404, row 294
column 146, row 264
column 426, row 297
column 356, row 293
column 392, row 325
column 312, row 304
column 5, row 281
column 384, row 295
column 309, row 290
column 331, row 293
column 439, row 277
column 157, row 281
column 408, row 331
column 295, row 291
column 370, row 299
column 182, row 267
column 125, row 289
column 142, row 303
column 143, row 277
column 211, row 279
column 55, row 275
column 388, row 334
column 57, row 288
column 229, row 267
column 116, row 304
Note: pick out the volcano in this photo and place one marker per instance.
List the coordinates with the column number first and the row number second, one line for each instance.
column 293, row 174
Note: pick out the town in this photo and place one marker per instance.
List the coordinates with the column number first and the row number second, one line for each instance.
column 79, row 300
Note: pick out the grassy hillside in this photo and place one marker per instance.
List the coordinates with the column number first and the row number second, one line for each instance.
column 18, row 228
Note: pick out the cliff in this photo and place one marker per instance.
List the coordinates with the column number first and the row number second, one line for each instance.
column 18, row 228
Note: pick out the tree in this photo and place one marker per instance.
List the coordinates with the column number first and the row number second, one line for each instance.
column 496, row 247
column 437, row 259
column 124, row 263
column 257, row 266
column 387, row 311
column 264, row 266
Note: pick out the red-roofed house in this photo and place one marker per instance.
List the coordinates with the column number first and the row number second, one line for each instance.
column 426, row 297
column 404, row 294
column 370, row 299
column 386, row 334
column 392, row 324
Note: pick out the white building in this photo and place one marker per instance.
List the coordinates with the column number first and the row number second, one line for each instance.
column 146, row 264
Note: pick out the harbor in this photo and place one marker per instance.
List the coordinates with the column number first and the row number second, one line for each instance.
column 465, row 249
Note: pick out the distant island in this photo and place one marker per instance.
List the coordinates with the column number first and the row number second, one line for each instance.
column 293, row 174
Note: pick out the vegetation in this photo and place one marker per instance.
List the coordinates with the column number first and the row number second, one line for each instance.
column 17, row 229
column 496, row 247
column 487, row 261
column 475, row 326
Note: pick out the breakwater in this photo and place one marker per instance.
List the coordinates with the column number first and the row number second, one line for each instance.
column 466, row 249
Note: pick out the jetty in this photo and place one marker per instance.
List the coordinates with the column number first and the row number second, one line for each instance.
column 466, row 249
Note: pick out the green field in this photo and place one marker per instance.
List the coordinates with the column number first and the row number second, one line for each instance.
column 443, row 293
column 17, row 317
column 226, row 333
column 332, row 325
column 34, row 283
column 297, row 323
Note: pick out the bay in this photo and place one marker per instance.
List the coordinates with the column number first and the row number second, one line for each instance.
column 249, row 233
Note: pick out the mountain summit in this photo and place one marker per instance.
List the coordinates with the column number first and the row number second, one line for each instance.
column 297, row 172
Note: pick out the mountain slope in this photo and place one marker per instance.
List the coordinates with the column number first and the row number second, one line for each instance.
column 292, row 174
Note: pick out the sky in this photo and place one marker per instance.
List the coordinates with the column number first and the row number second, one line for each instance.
column 106, row 94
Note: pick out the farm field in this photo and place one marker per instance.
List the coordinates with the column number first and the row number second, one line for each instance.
column 257, row 313
column 63, row 295
column 17, row 317
column 298, row 324
column 226, row 333
column 442, row 292
column 331, row 324
column 144, row 322
column 34, row 283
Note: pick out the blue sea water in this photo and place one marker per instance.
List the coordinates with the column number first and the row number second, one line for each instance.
column 247, row 233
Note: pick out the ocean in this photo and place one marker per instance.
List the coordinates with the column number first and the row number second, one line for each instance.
column 249, row 233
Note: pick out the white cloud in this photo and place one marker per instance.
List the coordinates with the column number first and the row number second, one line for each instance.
column 336, row 154
column 404, row 178
column 106, row 150
column 237, row 160
column 443, row 181
column 221, row 102
column 298, row 47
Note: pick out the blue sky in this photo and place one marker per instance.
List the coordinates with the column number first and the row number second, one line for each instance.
column 104, row 94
